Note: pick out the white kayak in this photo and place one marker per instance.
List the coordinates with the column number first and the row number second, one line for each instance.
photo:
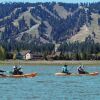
column 76, row 74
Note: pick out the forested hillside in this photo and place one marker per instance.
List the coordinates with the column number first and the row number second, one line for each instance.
column 41, row 25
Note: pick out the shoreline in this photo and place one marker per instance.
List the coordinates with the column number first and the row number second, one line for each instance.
column 53, row 62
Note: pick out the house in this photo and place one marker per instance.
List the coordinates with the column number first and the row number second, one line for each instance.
column 53, row 55
column 25, row 54
column 28, row 56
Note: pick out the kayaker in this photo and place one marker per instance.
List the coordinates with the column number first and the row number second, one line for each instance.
column 17, row 70
column 81, row 70
column 65, row 70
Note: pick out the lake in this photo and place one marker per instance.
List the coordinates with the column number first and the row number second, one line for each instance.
column 47, row 86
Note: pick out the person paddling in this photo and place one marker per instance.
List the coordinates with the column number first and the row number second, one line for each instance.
column 81, row 70
column 65, row 70
column 17, row 70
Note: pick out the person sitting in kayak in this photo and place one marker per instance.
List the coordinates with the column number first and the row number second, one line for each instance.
column 81, row 70
column 65, row 70
column 17, row 70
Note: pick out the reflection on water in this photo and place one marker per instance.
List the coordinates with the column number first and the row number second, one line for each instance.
column 47, row 86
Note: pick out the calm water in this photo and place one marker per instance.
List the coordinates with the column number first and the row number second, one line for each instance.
column 47, row 86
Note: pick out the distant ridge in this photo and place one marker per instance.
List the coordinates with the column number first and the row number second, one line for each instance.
column 49, row 22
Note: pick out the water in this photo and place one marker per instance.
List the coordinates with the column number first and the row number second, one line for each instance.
column 47, row 86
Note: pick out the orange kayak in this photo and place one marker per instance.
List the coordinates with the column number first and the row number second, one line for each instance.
column 76, row 74
column 19, row 76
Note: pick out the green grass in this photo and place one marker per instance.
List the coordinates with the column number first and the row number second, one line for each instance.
column 42, row 62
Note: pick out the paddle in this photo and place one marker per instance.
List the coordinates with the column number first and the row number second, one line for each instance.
column 71, row 68
column 85, row 69
column 2, row 71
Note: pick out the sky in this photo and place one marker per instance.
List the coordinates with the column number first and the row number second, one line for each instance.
column 67, row 1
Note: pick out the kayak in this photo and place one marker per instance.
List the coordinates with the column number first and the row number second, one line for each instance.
column 76, row 74
column 19, row 76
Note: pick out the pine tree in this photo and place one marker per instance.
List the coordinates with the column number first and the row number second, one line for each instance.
column 2, row 53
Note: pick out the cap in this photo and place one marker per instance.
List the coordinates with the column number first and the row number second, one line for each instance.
column 14, row 66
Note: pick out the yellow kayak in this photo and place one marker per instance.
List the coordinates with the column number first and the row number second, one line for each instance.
column 76, row 74
column 19, row 76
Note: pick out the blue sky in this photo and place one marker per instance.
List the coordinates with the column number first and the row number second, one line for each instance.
column 67, row 1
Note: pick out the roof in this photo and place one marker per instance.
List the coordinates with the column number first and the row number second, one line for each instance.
column 24, row 52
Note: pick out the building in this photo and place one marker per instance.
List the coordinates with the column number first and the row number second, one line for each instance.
column 37, row 57
column 25, row 54
column 28, row 56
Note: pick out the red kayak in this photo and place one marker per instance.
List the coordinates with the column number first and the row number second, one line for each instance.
column 19, row 76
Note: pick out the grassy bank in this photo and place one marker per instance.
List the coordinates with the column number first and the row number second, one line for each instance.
column 42, row 62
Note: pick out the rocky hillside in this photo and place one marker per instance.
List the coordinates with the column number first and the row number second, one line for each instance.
column 49, row 22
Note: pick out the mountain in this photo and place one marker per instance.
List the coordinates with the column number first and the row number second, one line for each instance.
column 49, row 22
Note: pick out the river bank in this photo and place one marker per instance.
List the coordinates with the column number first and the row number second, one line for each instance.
column 53, row 62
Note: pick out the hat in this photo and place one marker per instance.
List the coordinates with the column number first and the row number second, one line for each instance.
column 65, row 65
column 14, row 66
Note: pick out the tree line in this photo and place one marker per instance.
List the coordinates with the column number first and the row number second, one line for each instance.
column 88, row 50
